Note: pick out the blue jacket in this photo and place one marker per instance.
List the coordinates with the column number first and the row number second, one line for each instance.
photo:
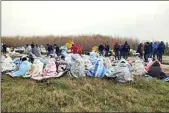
column 161, row 48
column 155, row 46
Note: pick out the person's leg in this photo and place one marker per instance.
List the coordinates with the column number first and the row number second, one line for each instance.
column 116, row 54
column 154, row 54
column 5, row 51
column 120, row 54
column 123, row 54
column 106, row 53
column 160, row 57
column 145, row 57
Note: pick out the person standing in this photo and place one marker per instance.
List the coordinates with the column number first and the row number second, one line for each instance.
column 4, row 48
column 121, row 50
column 140, row 50
column 146, row 51
column 151, row 50
column 126, row 50
column 50, row 49
column 101, row 48
column 57, row 50
column 155, row 46
column 117, row 50
column 160, row 51
column 107, row 49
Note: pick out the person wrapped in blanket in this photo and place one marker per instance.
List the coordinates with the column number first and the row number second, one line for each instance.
column 156, row 70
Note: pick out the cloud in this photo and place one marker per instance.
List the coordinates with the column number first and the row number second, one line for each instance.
column 142, row 19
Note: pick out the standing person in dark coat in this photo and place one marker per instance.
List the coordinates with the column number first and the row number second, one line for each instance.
column 126, row 50
column 57, row 50
column 117, row 51
column 101, row 48
column 121, row 50
column 50, row 49
column 4, row 48
column 107, row 49
column 147, row 51
column 160, row 51
column 32, row 45
column 155, row 47
column 140, row 50
column 151, row 50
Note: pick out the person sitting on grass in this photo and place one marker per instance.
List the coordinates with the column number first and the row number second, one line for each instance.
column 155, row 70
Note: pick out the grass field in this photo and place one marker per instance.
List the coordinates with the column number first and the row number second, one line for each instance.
column 84, row 94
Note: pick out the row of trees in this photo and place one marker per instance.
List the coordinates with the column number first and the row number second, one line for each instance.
column 87, row 41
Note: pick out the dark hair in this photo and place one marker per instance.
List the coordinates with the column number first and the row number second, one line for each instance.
column 156, row 64
column 24, row 59
column 62, row 57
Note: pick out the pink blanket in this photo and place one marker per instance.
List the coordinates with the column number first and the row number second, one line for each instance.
column 50, row 69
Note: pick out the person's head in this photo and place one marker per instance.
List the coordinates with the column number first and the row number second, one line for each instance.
column 148, row 43
column 162, row 42
column 156, row 63
column 27, row 45
column 32, row 42
column 63, row 57
column 125, row 42
column 141, row 44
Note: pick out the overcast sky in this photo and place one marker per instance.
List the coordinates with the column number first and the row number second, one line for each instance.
column 142, row 19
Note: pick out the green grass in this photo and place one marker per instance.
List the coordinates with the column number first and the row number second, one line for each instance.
column 84, row 94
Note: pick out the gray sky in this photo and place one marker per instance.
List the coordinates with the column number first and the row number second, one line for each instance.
column 142, row 19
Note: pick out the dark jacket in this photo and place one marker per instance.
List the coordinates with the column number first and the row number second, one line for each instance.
column 107, row 48
column 126, row 48
column 140, row 49
column 4, row 47
column 151, row 47
column 57, row 49
column 50, row 48
column 101, row 47
column 116, row 47
column 161, row 48
column 147, row 49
